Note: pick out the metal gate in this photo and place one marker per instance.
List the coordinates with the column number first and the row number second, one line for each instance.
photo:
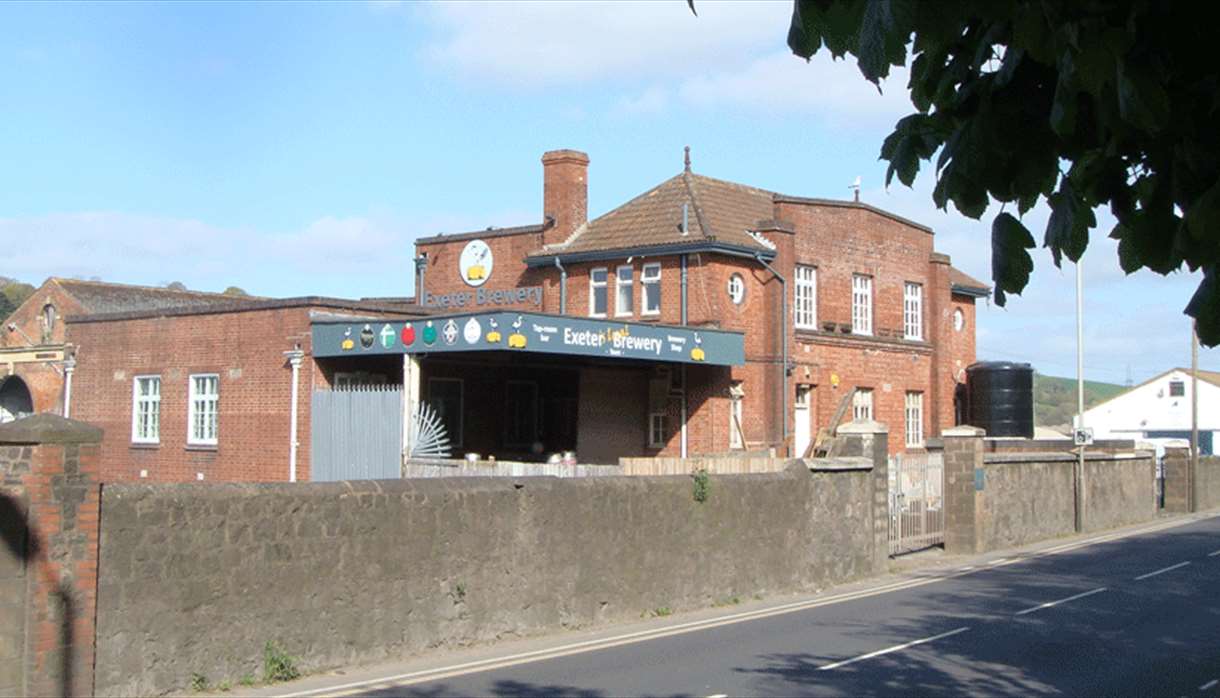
column 356, row 433
column 917, row 514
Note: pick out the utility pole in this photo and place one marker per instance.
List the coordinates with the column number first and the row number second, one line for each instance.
column 1192, row 480
column 1078, row 475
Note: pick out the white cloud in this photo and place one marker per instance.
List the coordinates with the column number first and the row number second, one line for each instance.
column 782, row 82
column 540, row 44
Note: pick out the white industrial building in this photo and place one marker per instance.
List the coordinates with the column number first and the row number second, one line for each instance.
column 1158, row 411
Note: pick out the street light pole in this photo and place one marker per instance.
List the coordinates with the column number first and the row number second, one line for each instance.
column 1194, row 416
column 1078, row 475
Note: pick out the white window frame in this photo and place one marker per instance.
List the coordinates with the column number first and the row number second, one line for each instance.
column 650, row 275
column 193, row 396
column 154, row 412
column 862, row 404
column 912, row 311
column 914, row 419
column 805, row 297
column 861, row 304
column 737, row 288
column 621, row 308
column 658, row 427
column 737, row 398
column 594, row 284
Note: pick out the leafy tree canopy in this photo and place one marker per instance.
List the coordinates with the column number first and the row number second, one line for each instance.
column 235, row 291
column 1083, row 103
column 176, row 286
column 12, row 294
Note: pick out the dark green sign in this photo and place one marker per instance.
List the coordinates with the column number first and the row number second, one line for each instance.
column 531, row 332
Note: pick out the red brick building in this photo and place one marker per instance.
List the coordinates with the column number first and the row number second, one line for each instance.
column 701, row 317
column 829, row 295
column 37, row 359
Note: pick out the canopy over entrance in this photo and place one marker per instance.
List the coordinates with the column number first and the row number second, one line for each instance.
column 530, row 333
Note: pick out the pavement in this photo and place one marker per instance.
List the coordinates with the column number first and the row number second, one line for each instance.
column 1129, row 612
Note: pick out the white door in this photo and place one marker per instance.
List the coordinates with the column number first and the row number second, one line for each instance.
column 801, row 436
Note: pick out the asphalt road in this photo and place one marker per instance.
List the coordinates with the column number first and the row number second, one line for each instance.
column 1135, row 616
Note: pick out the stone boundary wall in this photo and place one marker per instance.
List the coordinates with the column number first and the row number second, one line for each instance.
column 197, row 577
column 1209, row 482
column 1177, row 481
column 1029, row 497
column 1002, row 500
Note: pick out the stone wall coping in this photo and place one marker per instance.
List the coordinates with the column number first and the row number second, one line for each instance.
column 963, row 430
column 1003, row 458
column 862, row 426
column 838, row 464
column 49, row 429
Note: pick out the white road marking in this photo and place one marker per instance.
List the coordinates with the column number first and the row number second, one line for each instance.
column 415, row 677
column 967, row 568
column 719, row 695
column 895, row 648
column 1001, row 561
column 1207, row 686
column 1162, row 571
column 1214, row 554
column 1049, row 604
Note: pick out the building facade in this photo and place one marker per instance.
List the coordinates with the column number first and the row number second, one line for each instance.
column 828, row 295
column 1158, row 411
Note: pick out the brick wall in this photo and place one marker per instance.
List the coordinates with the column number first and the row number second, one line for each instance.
column 49, row 495
column 245, row 349
column 28, row 317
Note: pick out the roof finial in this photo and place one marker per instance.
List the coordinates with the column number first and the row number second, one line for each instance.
column 686, row 159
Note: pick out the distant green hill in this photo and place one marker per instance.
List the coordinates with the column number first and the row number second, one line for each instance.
column 1055, row 398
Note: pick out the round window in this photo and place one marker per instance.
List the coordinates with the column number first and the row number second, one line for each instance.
column 959, row 320
column 737, row 289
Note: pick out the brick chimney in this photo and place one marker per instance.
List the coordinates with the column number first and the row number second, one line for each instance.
column 565, row 193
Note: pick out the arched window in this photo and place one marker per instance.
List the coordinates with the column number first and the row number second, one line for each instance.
column 48, row 322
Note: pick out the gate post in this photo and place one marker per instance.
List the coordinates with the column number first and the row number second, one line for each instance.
column 410, row 401
column 870, row 439
column 1176, row 469
column 55, row 461
column 963, row 457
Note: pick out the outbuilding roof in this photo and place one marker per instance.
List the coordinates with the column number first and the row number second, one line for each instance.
column 103, row 297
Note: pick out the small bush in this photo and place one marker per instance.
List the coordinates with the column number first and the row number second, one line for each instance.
column 277, row 665
column 247, row 680
column 663, row 611
column 702, row 485
column 199, row 682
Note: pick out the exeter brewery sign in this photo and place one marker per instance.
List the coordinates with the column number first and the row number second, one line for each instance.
column 531, row 332
column 475, row 265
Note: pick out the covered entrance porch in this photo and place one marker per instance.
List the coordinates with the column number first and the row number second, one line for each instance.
column 524, row 387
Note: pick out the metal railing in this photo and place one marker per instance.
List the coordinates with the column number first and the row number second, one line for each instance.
column 917, row 515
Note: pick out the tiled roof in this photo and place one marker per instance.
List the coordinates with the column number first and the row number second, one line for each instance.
column 101, row 297
column 718, row 211
column 959, row 278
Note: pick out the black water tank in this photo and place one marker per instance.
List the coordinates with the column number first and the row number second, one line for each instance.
column 1001, row 398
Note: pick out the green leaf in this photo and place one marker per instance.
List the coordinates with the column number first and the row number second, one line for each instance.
column 1067, row 231
column 1204, row 307
column 1203, row 216
column 1142, row 101
column 1010, row 260
column 885, row 27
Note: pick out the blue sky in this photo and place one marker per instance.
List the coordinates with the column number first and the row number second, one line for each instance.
column 296, row 149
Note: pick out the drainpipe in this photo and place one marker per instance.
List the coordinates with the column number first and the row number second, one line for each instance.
column 294, row 358
column 684, row 321
column 683, row 289
column 563, row 287
column 69, row 369
column 783, row 330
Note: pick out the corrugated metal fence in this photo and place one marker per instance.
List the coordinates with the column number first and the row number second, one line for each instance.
column 458, row 468
column 357, row 433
